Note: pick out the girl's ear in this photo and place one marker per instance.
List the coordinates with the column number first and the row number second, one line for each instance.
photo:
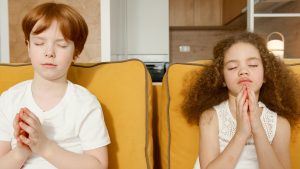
column 224, row 84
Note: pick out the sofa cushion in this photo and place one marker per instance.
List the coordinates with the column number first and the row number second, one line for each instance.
column 125, row 93
column 179, row 141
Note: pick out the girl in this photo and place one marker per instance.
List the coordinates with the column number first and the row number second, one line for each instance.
column 246, row 101
column 49, row 122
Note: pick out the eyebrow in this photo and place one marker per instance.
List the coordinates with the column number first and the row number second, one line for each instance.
column 234, row 61
column 42, row 38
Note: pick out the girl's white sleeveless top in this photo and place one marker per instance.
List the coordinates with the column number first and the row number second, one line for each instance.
column 227, row 129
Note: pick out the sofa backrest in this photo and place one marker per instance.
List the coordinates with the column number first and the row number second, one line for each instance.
column 125, row 93
column 178, row 140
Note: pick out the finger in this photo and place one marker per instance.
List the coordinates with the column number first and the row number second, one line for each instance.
column 243, row 100
column 252, row 100
column 28, row 129
column 30, row 114
column 25, row 140
column 16, row 121
column 28, row 120
column 240, row 93
column 245, row 107
column 239, row 101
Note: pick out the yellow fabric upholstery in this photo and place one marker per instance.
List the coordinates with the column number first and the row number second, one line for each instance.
column 178, row 140
column 125, row 93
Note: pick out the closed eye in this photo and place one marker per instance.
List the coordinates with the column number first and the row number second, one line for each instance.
column 38, row 44
column 63, row 46
column 253, row 65
column 232, row 68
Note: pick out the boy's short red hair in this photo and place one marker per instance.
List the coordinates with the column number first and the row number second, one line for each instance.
column 72, row 24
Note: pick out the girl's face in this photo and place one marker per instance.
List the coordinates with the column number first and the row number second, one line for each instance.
column 50, row 53
column 243, row 66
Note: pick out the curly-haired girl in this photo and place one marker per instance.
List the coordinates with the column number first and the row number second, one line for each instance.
column 246, row 101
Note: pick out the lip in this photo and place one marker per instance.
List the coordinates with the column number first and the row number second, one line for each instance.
column 49, row 65
column 244, row 81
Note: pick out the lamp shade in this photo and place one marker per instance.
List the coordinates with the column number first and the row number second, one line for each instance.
column 276, row 46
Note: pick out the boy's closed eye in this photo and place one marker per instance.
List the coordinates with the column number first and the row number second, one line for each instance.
column 38, row 43
column 62, row 45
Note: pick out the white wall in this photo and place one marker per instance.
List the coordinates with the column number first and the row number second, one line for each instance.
column 148, row 26
column 140, row 29
column 4, row 32
column 118, row 29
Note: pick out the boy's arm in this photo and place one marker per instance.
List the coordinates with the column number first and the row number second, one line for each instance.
column 10, row 158
column 209, row 155
column 275, row 155
column 63, row 159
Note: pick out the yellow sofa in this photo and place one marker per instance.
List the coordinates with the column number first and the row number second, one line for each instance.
column 138, row 114
column 125, row 92
column 178, row 140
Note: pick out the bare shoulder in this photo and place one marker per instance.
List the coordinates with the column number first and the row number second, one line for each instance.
column 283, row 129
column 208, row 117
column 283, row 124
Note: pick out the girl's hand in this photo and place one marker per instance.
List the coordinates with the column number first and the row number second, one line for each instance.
column 243, row 122
column 37, row 140
column 18, row 132
column 253, row 111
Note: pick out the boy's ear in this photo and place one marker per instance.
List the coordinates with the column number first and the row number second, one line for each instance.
column 28, row 46
column 75, row 58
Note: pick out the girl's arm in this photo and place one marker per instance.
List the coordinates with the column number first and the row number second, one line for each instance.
column 210, row 156
column 209, row 153
column 275, row 155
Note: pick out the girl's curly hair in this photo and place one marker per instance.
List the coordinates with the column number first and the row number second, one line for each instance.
column 278, row 93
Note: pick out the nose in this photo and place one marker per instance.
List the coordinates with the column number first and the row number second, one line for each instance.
column 243, row 71
column 49, row 51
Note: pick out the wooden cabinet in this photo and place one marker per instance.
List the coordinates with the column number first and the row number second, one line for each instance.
column 232, row 9
column 195, row 12
column 181, row 12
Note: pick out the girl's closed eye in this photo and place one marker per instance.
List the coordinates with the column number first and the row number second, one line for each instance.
column 231, row 68
column 253, row 65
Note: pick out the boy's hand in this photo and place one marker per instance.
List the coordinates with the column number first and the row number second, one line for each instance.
column 37, row 140
column 22, row 132
column 18, row 132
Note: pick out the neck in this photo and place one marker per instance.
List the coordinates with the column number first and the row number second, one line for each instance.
column 48, row 88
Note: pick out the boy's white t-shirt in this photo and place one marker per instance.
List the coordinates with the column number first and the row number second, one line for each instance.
column 76, row 123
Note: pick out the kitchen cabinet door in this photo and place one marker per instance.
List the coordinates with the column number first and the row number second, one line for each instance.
column 208, row 13
column 195, row 13
column 181, row 12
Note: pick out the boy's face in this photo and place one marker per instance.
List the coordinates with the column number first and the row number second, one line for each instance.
column 243, row 66
column 50, row 53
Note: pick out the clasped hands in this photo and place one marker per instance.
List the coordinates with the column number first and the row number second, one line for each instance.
column 29, row 133
column 247, row 113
